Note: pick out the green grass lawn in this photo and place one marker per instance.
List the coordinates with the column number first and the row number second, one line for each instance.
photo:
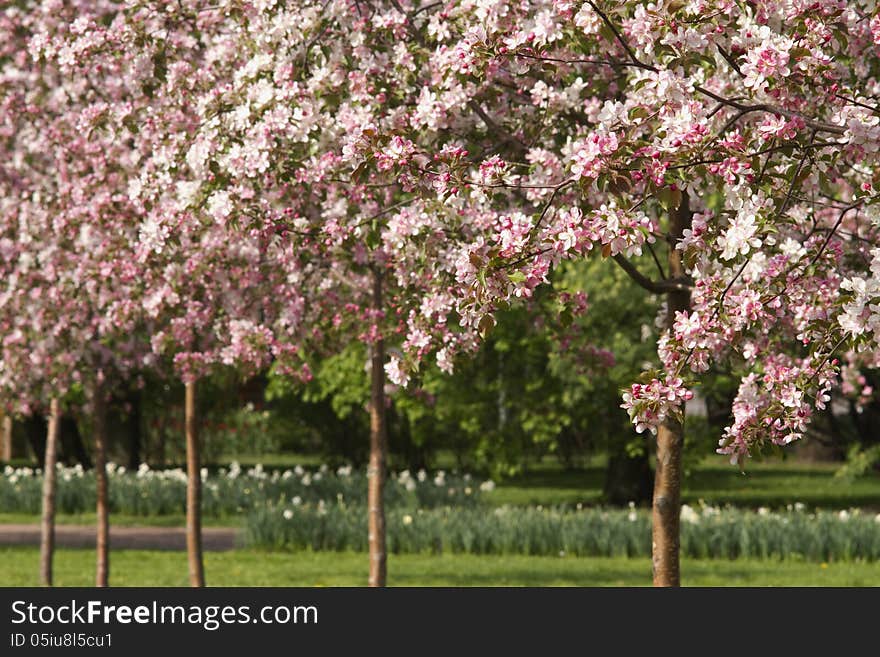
column 18, row 567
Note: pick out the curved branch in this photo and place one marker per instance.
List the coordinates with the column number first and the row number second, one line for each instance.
column 657, row 287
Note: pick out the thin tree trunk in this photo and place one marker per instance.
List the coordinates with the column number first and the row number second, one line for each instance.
column 378, row 451
column 99, row 410
column 666, row 514
column 193, row 492
column 47, row 526
column 6, row 438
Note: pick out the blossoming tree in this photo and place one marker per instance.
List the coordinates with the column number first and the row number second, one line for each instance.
column 433, row 160
column 739, row 138
column 274, row 150
column 67, row 305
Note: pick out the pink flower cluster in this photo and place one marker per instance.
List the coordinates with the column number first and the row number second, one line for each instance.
column 774, row 406
column 622, row 231
column 648, row 405
column 396, row 153
column 589, row 155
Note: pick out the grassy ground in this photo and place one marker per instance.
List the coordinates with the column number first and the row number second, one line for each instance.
column 18, row 567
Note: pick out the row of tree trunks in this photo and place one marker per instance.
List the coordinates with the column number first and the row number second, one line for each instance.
column 99, row 418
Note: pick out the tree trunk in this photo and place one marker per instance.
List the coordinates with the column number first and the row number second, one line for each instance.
column 666, row 514
column 6, row 439
column 47, row 526
column 378, row 453
column 99, row 411
column 193, row 492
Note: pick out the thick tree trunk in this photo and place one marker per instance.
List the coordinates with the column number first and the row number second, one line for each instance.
column 193, row 491
column 6, row 439
column 666, row 515
column 378, row 454
column 47, row 526
column 99, row 412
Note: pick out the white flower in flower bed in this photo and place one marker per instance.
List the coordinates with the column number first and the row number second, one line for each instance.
column 632, row 516
column 689, row 515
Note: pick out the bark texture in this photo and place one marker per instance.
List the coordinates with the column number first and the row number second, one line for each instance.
column 666, row 512
column 193, row 492
column 47, row 524
column 6, row 439
column 378, row 454
column 102, row 566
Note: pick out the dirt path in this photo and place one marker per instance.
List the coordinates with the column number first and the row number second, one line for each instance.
column 123, row 538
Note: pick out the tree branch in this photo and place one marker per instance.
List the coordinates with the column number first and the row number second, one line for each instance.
column 657, row 287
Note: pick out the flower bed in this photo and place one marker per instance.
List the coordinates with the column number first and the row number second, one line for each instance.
column 709, row 532
column 148, row 492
